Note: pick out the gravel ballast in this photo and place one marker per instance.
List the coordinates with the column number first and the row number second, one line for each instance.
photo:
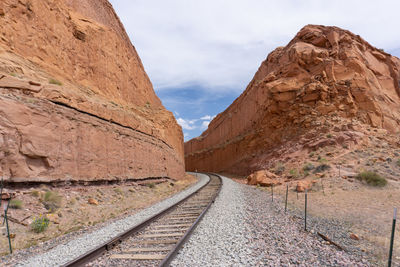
column 244, row 228
column 64, row 253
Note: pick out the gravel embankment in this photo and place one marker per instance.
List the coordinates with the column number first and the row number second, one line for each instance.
column 64, row 253
column 243, row 228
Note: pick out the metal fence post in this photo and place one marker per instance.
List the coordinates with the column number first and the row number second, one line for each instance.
column 8, row 229
column 305, row 211
column 1, row 191
column 392, row 238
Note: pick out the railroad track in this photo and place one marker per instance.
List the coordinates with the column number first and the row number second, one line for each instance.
column 156, row 241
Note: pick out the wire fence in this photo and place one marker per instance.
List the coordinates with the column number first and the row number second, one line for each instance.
column 385, row 249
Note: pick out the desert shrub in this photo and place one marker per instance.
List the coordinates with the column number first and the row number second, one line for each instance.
column 398, row 162
column 329, row 135
column 40, row 224
column 372, row 178
column 151, row 185
column 118, row 191
column 294, row 173
column 16, row 204
column 322, row 159
column 279, row 168
column 54, row 81
column 35, row 193
column 308, row 167
column 322, row 168
column 52, row 200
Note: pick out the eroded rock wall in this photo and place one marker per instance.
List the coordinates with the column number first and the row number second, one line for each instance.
column 80, row 105
column 325, row 74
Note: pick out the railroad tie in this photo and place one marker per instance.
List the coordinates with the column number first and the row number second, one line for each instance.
column 138, row 256
column 161, row 235
column 162, row 241
column 173, row 225
column 148, row 249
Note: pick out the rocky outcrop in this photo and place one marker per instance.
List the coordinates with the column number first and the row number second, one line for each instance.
column 326, row 79
column 75, row 101
column 263, row 178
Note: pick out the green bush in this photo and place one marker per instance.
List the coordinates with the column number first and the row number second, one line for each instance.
column 35, row 193
column 372, row 178
column 322, row 168
column 16, row 204
column 54, row 81
column 308, row 167
column 40, row 224
column 52, row 200
column 279, row 168
column 118, row 191
column 151, row 185
column 398, row 162
column 294, row 173
column 322, row 160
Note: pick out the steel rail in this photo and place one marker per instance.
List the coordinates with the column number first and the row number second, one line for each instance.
column 101, row 249
column 171, row 255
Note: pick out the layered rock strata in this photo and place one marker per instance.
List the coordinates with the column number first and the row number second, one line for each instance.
column 75, row 101
column 324, row 76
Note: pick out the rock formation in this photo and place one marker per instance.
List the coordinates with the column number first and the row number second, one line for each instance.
column 75, row 101
column 326, row 79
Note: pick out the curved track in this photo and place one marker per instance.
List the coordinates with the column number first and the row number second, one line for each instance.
column 156, row 241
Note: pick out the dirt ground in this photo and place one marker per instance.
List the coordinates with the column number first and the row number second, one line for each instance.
column 75, row 207
column 368, row 210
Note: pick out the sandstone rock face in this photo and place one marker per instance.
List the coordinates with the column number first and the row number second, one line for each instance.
column 75, row 101
column 325, row 79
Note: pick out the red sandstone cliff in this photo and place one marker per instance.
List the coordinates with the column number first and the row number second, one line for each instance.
column 325, row 78
column 75, row 101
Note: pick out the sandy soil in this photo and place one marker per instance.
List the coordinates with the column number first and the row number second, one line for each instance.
column 81, row 206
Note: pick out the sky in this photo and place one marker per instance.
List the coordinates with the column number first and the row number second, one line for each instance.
column 200, row 55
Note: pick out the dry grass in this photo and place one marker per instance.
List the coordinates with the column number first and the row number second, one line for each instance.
column 74, row 212
column 372, row 178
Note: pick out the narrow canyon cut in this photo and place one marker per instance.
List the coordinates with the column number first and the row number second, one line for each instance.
column 326, row 79
column 75, row 101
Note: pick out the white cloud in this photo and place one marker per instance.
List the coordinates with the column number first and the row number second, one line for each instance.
column 193, row 124
column 204, row 125
column 219, row 44
column 206, row 117
column 186, row 124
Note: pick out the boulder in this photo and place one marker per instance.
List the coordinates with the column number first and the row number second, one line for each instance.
column 304, row 185
column 354, row 236
column 263, row 178
column 93, row 201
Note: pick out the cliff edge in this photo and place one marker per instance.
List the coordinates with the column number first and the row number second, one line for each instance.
column 75, row 101
column 325, row 80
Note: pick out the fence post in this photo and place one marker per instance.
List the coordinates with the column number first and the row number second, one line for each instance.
column 392, row 238
column 305, row 211
column 8, row 229
column 287, row 189
column 1, row 191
